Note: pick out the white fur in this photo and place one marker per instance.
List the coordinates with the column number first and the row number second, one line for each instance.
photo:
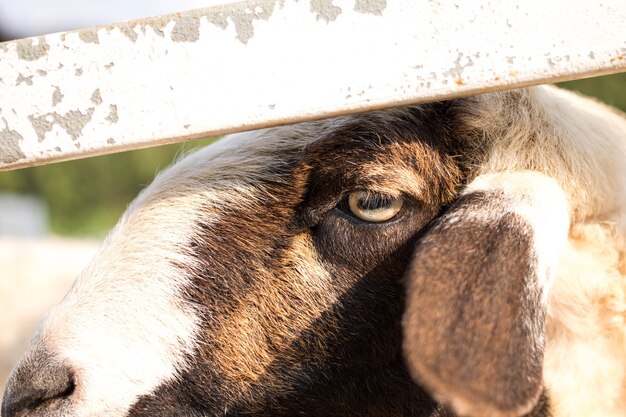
column 581, row 144
column 539, row 200
column 133, row 279
column 575, row 140
column 585, row 361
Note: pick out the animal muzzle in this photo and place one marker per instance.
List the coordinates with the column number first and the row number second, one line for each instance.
column 39, row 385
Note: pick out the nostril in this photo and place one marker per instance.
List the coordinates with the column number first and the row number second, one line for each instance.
column 36, row 385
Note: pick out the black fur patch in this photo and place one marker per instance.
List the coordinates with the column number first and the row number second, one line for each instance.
column 348, row 361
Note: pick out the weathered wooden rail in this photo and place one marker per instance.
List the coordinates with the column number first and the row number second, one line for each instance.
column 268, row 62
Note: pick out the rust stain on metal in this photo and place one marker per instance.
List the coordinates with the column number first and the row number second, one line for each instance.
column 242, row 15
column 57, row 96
column 10, row 150
column 96, row 98
column 112, row 117
column 618, row 58
column 375, row 7
column 325, row 10
column 72, row 122
column 21, row 79
column 27, row 51
column 89, row 36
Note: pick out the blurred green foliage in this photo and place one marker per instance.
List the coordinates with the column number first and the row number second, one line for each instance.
column 86, row 197
column 611, row 89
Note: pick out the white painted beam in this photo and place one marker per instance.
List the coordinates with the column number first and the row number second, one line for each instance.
column 24, row 18
column 270, row 62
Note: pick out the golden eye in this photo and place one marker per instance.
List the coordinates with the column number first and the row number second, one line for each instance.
column 373, row 207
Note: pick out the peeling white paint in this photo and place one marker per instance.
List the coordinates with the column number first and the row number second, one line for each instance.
column 267, row 62
column 31, row 49
column 112, row 117
column 96, row 98
column 375, row 7
column 57, row 96
column 325, row 10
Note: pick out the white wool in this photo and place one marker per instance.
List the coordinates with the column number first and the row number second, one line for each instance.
column 581, row 144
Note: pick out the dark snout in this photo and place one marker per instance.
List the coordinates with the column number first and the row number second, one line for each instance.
column 39, row 386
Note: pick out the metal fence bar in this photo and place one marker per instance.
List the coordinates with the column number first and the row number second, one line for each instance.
column 270, row 62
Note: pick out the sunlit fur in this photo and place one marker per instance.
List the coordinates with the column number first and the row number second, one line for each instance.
column 134, row 279
column 582, row 145
column 538, row 199
column 126, row 330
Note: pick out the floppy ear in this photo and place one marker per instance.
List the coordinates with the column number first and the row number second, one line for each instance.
column 477, row 288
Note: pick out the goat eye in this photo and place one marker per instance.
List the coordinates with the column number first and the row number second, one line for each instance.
column 373, row 207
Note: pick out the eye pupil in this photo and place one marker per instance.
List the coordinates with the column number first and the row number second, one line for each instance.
column 374, row 207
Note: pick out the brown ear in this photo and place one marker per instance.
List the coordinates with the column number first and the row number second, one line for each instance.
column 477, row 287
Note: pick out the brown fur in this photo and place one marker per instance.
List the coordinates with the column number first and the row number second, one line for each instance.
column 477, row 341
column 308, row 320
column 287, row 315
column 282, row 303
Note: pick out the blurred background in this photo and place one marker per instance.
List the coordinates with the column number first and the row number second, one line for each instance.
column 53, row 217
